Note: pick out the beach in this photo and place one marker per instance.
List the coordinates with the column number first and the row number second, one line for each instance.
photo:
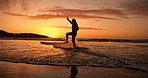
column 73, row 39
column 22, row 70
column 33, row 59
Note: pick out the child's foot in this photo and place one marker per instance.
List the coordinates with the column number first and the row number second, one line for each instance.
column 76, row 47
column 66, row 42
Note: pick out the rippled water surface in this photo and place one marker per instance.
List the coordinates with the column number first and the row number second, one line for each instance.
column 111, row 54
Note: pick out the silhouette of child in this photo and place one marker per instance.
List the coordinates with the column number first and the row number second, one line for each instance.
column 75, row 29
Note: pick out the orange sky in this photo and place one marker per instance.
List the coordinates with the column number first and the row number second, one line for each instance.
column 96, row 18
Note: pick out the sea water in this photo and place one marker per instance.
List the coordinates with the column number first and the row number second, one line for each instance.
column 104, row 54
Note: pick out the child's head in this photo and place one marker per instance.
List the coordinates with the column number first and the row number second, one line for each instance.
column 73, row 20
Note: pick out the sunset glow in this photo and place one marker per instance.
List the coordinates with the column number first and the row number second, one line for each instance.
column 96, row 18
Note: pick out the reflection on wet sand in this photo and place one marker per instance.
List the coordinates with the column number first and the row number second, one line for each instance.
column 74, row 71
column 70, row 55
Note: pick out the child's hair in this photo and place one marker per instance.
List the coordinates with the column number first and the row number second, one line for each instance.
column 73, row 20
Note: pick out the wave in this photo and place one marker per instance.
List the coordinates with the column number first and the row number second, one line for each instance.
column 76, row 58
column 117, row 40
column 36, row 62
column 33, row 52
column 80, row 39
column 141, row 45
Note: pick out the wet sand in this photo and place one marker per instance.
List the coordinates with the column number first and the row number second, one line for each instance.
column 22, row 70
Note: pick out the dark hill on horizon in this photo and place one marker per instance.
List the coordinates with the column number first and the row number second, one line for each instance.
column 21, row 35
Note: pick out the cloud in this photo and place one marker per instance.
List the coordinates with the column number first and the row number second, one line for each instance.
column 89, row 14
column 67, row 27
column 138, row 8
column 79, row 16
column 14, row 14
column 45, row 16
column 6, row 5
column 58, row 11
column 52, row 16
column 112, row 12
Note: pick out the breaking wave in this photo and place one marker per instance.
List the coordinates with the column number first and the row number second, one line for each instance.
column 98, row 54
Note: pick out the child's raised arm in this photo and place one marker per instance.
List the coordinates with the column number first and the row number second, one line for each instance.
column 69, row 20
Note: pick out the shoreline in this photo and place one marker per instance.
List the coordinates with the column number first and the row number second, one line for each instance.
column 79, row 39
column 23, row 70
column 62, row 65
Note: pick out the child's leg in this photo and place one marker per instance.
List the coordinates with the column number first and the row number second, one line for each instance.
column 73, row 40
column 69, row 33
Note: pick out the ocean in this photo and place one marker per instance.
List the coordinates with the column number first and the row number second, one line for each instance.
column 94, row 53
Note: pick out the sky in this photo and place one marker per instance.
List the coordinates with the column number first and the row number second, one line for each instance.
column 111, row 19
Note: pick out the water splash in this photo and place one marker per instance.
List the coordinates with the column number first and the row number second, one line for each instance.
column 69, row 44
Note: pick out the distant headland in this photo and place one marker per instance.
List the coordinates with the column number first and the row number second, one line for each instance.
column 21, row 35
